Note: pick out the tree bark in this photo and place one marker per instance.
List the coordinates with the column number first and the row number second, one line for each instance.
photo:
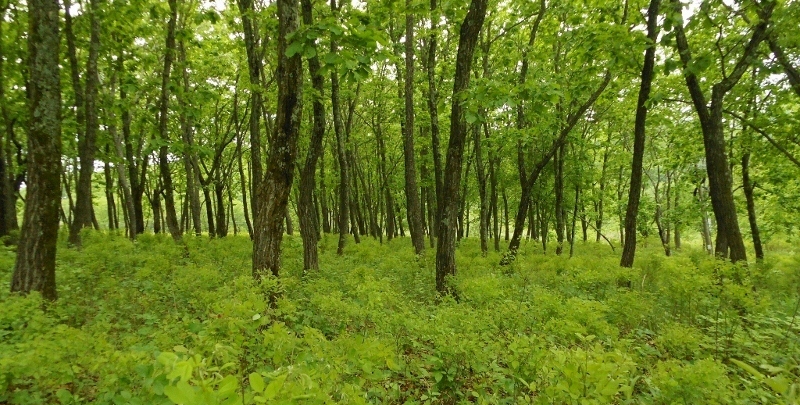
column 35, row 268
column 445, row 249
column 87, row 144
column 558, row 188
column 433, row 112
column 163, row 151
column 190, row 160
column 729, row 243
column 274, row 189
column 635, row 190
column 525, row 197
column 254, row 70
column 413, row 206
column 748, row 186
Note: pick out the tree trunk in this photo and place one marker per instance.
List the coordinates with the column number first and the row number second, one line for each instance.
column 273, row 192
column 445, row 249
column 433, row 112
column 729, row 243
column 190, row 159
column 635, row 190
column 558, row 166
column 413, row 206
column 341, row 150
column 748, row 187
column 35, row 267
column 87, row 145
column 525, row 197
column 130, row 212
column 481, row 177
column 254, row 70
column 163, row 151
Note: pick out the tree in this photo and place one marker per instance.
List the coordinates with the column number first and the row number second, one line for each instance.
column 635, row 190
column 729, row 243
column 36, row 253
column 448, row 212
column 273, row 192
column 413, row 207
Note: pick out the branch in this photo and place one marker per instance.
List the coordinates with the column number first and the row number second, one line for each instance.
column 766, row 136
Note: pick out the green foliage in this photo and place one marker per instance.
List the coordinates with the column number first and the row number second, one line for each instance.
column 146, row 323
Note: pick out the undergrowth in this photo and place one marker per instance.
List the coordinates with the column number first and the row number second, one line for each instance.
column 147, row 323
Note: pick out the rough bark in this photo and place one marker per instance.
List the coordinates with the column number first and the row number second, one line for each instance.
column 447, row 215
column 749, row 186
column 413, row 206
column 729, row 242
column 273, row 192
column 635, row 190
column 35, row 268
column 305, row 207
column 87, row 144
column 163, row 152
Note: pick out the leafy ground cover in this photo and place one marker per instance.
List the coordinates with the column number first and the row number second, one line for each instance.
column 153, row 323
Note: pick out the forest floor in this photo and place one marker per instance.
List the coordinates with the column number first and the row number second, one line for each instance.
column 153, row 322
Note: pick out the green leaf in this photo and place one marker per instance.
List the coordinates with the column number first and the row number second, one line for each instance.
column 257, row 382
column 181, row 393
column 294, row 48
column 274, row 387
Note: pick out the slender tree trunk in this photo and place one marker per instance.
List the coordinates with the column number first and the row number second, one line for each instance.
column 87, row 145
column 413, row 206
column 274, row 190
column 525, row 197
column 254, row 70
column 447, row 215
column 748, row 186
column 635, row 190
column 212, row 229
column 341, row 150
column 35, row 267
column 190, row 159
column 130, row 212
column 481, row 177
column 433, row 112
column 163, row 151
column 558, row 165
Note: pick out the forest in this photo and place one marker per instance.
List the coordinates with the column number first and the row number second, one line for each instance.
column 399, row 202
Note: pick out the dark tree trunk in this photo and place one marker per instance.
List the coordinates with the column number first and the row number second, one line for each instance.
column 525, row 196
column 505, row 213
column 341, row 150
column 111, row 206
column 163, row 151
column 190, row 160
column 212, row 230
column 413, row 206
column 558, row 166
column 447, row 215
column 6, row 169
column 243, row 182
column 273, row 192
column 791, row 72
column 35, row 268
column 748, row 186
column 87, row 144
column 433, row 112
column 305, row 206
column 481, row 177
column 119, row 148
column 386, row 191
column 729, row 243
column 222, row 221
column 136, row 173
column 254, row 70
column 635, row 190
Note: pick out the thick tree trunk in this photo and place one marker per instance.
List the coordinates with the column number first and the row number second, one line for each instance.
column 635, row 190
column 446, row 247
column 35, row 268
column 87, row 145
column 163, row 151
column 273, row 192
column 729, row 243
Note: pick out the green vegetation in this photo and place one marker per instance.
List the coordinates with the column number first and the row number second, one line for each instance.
column 154, row 322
